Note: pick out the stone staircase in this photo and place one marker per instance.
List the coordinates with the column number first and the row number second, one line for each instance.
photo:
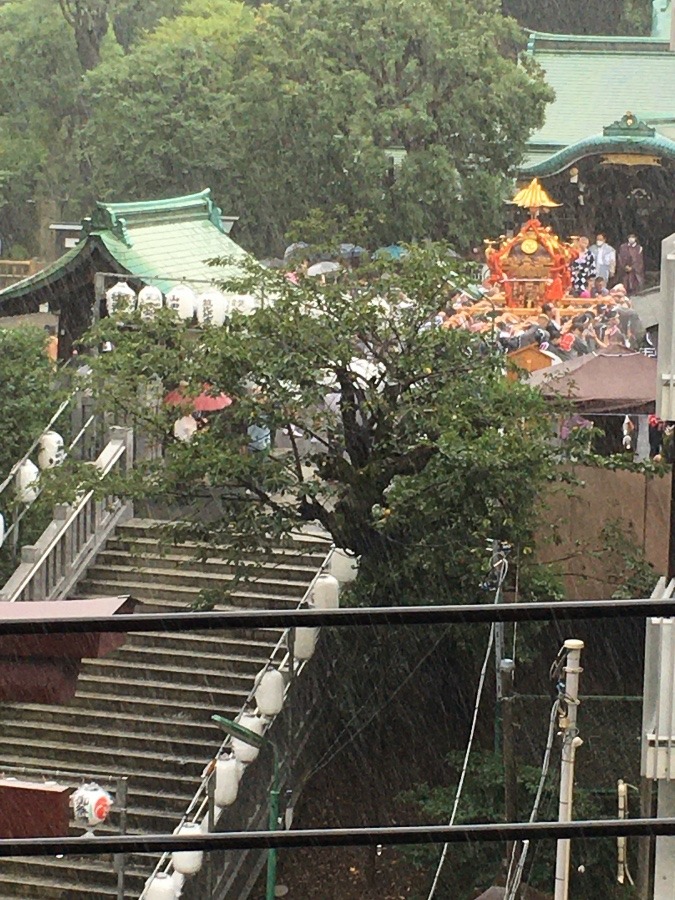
column 144, row 711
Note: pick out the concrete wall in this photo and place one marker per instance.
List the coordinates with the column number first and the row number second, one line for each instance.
column 576, row 518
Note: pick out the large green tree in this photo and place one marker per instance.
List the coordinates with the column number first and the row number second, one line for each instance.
column 582, row 16
column 415, row 449
column 301, row 108
column 28, row 391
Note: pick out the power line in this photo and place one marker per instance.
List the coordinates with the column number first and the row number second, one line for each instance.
column 512, row 887
column 502, row 568
column 341, row 837
column 469, row 614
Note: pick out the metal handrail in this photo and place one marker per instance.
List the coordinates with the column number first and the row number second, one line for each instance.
column 109, row 456
column 200, row 800
column 38, row 490
column 17, row 465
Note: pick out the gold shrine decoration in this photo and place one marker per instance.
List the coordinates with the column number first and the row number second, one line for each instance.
column 630, row 159
column 534, row 197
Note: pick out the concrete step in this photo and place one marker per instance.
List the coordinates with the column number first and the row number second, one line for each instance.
column 82, row 871
column 81, row 756
column 127, row 707
column 179, row 596
column 176, row 724
column 145, row 531
column 258, row 642
column 146, row 556
column 193, row 578
column 167, row 656
column 105, row 735
column 154, row 689
column 69, row 771
column 66, row 888
column 221, row 675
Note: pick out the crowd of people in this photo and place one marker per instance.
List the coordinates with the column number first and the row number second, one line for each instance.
column 594, row 316
column 601, row 260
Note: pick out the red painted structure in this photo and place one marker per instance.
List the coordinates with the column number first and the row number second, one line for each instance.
column 43, row 668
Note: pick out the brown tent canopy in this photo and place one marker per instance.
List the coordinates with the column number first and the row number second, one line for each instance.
column 612, row 381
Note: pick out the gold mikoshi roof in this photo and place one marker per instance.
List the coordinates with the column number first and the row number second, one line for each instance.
column 534, row 197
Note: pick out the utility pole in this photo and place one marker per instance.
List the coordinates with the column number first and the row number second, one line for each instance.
column 507, row 669
column 571, row 741
column 495, row 581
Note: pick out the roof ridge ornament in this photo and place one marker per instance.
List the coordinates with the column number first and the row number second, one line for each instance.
column 629, row 126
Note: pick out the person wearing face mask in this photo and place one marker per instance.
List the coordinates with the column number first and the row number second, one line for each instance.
column 631, row 265
column 604, row 256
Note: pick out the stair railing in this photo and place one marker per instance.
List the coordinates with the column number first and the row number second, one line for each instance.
column 51, row 567
column 279, row 658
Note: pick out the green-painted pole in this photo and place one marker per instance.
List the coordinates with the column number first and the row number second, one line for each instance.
column 273, row 821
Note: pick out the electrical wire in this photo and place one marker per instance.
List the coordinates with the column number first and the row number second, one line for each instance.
column 502, row 567
column 328, row 756
column 512, row 886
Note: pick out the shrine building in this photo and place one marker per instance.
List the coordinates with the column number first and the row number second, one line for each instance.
column 607, row 147
column 161, row 242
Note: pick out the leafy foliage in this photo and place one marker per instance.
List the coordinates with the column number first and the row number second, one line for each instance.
column 414, row 451
column 634, row 575
column 482, row 801
column 583, row 16
column 28, row 392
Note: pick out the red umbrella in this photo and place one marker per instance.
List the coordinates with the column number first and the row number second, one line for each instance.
column 205, row 402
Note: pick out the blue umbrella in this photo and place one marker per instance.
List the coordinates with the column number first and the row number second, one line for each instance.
column 393, row 251
column 295, row 249
column 351, row 251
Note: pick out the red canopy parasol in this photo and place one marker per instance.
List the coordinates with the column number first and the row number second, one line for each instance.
column 204, row 402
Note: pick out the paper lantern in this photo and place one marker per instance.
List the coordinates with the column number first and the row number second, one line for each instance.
column 159, row 886
column 91, row 805
column 213, row 307
column 304, row 643
column 244, row 752
column 185, row 428
column 182, row 300
column 326, row 592
column 269, row 694
column 51, row 452
column 26, row 482
column 188, row 862
column 150, row 299
column 344, row 566
column 120, row 297
column 228, row 773
column 245, row 304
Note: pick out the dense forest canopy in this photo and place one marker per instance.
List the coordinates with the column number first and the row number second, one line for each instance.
column 279, row 108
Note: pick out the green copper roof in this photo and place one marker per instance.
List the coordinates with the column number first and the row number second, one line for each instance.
column 597, row 80
column 619, row 137
column 162, row 242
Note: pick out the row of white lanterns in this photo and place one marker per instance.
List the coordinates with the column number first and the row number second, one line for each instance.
column 211, row 307
column 51, row 453
column 269, row 699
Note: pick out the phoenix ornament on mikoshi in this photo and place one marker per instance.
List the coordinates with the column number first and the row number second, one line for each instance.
column 533, row 266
